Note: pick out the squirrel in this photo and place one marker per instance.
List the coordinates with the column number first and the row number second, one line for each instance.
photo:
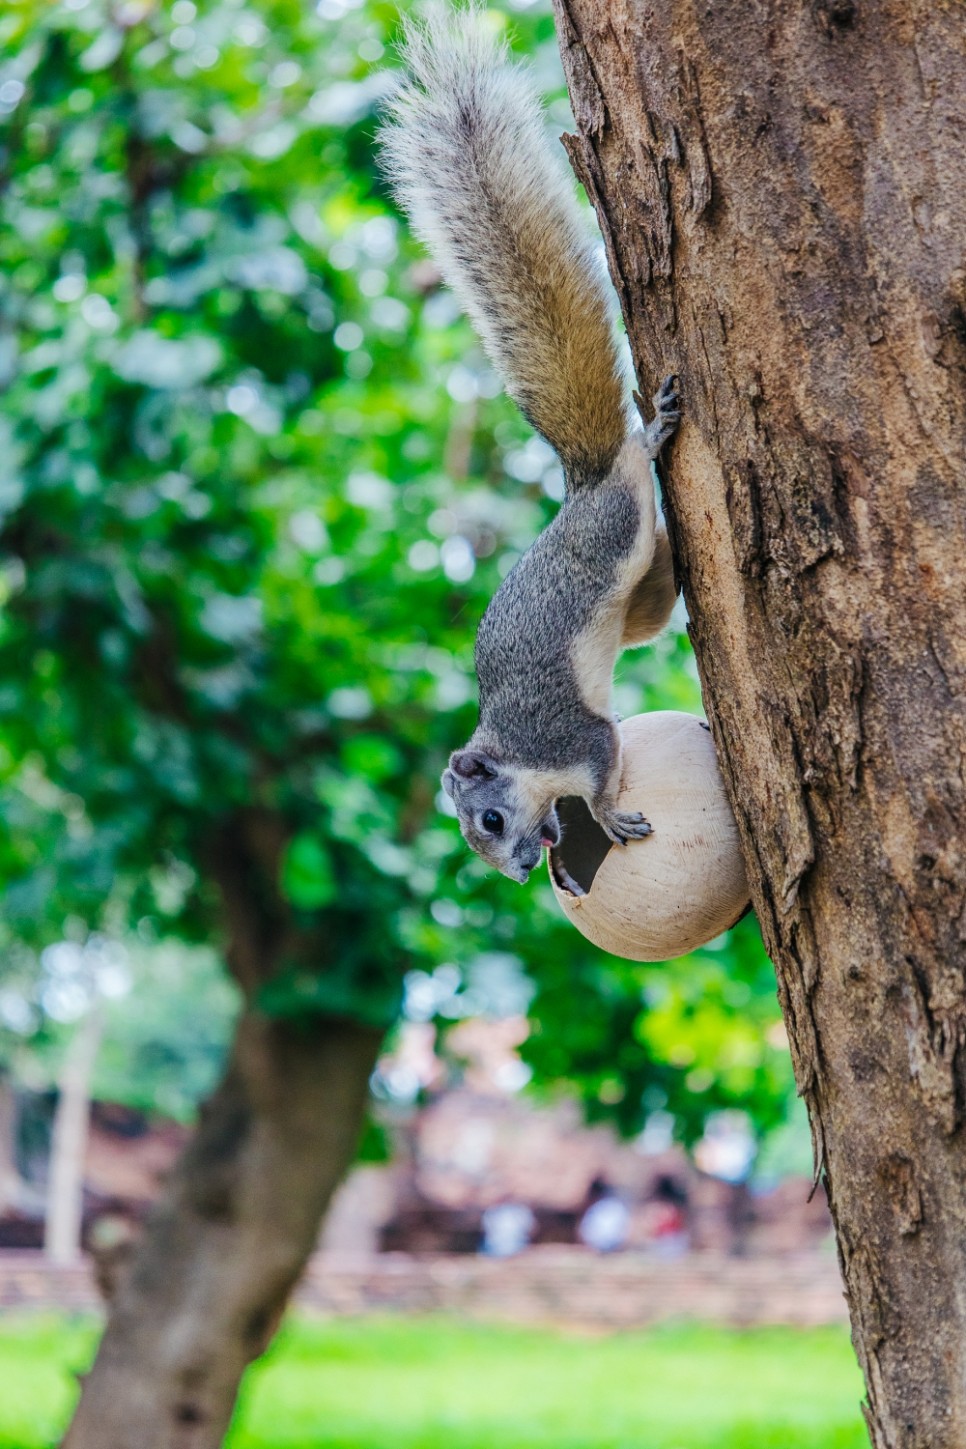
column 466, row 153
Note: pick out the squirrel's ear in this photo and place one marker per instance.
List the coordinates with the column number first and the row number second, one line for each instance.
column 471, row 764
column 447, row 783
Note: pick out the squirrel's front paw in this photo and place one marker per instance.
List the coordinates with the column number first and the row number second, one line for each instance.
column 620, row 828
column 667, row 407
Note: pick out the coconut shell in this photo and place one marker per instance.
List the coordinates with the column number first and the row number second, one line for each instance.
column 681, row 886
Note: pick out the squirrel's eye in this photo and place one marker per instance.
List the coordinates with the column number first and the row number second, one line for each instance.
column 493, row 822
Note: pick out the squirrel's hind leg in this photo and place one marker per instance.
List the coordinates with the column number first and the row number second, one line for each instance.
column 667, row 414
column 652, row 600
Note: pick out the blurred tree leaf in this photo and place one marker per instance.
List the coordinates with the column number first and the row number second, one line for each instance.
column 307, row 877
column 256, row 488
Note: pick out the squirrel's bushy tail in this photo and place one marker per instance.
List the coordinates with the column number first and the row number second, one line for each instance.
column 466, row 151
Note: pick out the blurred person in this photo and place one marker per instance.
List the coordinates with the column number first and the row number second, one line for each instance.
column 507, row 1228
column 667, row 1219
column 605, row 1221
column 727, row 1151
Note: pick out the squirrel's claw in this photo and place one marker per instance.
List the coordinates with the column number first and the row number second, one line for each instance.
column 620, row 828
column 667, row 409
column 667, row 396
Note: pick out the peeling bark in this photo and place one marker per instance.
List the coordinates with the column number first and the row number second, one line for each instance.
column 780, row 190
column 207, row 1285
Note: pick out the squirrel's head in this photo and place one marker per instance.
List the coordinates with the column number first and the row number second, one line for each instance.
column 502, row 819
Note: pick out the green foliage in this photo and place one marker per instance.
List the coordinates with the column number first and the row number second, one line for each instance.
column 165, row 1037
column 167, row 1007
column 256, row 487
column 691, row 1037
column 199, row 528
column 446, row 1385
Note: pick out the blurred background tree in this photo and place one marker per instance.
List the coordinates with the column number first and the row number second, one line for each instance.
column 256, row 487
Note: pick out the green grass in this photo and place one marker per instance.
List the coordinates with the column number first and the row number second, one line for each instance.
column 433, row 1383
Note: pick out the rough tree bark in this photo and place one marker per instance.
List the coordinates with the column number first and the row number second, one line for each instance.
column 221, row 1252
column 781, row 192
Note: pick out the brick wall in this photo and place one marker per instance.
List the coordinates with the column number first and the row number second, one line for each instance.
column 551, row 1285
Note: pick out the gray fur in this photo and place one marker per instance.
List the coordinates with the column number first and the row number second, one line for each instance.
column 465, row 147
column 528, row 687
column 466, row 150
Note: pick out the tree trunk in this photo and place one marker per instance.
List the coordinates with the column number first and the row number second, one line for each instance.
column 781, row 192
column 222, row 1251
column 68, row 1145
column 11, row 1186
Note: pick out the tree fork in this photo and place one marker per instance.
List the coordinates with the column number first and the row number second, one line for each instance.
column 780, row 193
